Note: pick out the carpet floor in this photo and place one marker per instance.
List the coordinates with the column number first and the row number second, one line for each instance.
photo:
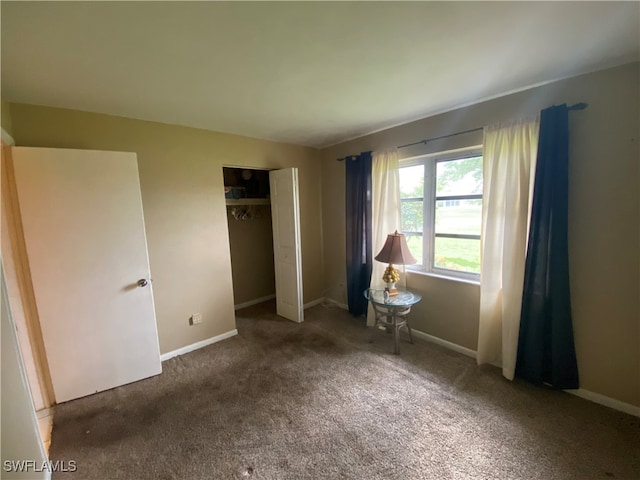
column 328, row 399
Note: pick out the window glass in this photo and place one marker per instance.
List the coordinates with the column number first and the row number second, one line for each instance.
column 458, row 254
column 415, row 244
column 441, row 209
column 412, row 209
column 459, row 177
column 462, row 217
column 412, row 216
column 412, row 182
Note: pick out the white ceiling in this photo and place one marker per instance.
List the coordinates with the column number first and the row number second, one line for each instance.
column 299, row 72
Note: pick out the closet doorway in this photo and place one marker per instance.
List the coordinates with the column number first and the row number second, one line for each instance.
column 264, row 236
column 248, row 200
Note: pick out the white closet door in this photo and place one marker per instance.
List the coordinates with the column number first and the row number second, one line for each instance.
column 86, row 245
column 285, row 214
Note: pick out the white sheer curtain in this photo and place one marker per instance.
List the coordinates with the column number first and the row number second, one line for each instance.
column 508, row 169
column 385, row 209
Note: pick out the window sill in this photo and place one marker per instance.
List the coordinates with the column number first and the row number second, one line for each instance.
column 444, row 277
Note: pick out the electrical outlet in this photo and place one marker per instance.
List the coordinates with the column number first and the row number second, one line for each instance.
column 195, row 319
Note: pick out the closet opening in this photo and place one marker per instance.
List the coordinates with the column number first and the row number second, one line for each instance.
column 247, row 195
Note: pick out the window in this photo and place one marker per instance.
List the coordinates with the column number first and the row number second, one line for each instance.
column 441, row 208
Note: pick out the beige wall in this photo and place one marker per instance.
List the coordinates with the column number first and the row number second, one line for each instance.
column 252, row 255
column 5, row 119
column 603, row 222
column 181, row 180
column 184, row 206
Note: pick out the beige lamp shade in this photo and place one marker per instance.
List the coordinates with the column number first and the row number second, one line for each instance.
column 395, row 250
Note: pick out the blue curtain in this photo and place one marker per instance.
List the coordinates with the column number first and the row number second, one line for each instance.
column 546, row 352
column 359, row 230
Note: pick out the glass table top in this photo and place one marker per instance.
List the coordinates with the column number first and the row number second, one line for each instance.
column 404, row 298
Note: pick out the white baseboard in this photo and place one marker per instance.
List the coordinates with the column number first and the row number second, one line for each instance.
column 444, row 343
column 197, row 345
column 606, row 401
column 313, row 303
column 336, row 303
column 255, row 301
column 582, row 393
column 45, row 412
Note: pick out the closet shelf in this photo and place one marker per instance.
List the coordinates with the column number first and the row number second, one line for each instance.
column 248, row 201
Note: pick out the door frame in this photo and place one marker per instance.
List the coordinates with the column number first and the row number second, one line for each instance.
column 20, row 288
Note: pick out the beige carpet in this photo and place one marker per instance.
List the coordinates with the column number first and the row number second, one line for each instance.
column 328, row 399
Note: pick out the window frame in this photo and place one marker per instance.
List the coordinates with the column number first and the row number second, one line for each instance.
column 430, row 162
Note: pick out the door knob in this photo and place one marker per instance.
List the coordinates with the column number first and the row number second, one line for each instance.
column 142, row 282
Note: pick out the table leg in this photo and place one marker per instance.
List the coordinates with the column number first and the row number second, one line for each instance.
column 396, row 336
column 409, row 328
column 389, row 323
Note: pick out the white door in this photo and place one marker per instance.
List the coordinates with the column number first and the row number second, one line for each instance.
column 84, row 233
column 285, row 214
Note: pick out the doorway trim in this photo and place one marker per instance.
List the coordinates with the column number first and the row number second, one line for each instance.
column 20, row 288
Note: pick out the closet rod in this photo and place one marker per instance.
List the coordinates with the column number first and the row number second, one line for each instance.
column 576, row 106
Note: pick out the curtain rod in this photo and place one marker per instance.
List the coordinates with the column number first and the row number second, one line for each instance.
column 576, row 106
column 425, row 141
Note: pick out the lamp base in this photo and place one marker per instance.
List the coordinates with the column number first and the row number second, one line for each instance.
column 391, row 288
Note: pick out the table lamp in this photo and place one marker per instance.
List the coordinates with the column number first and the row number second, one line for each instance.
column 395, row 250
